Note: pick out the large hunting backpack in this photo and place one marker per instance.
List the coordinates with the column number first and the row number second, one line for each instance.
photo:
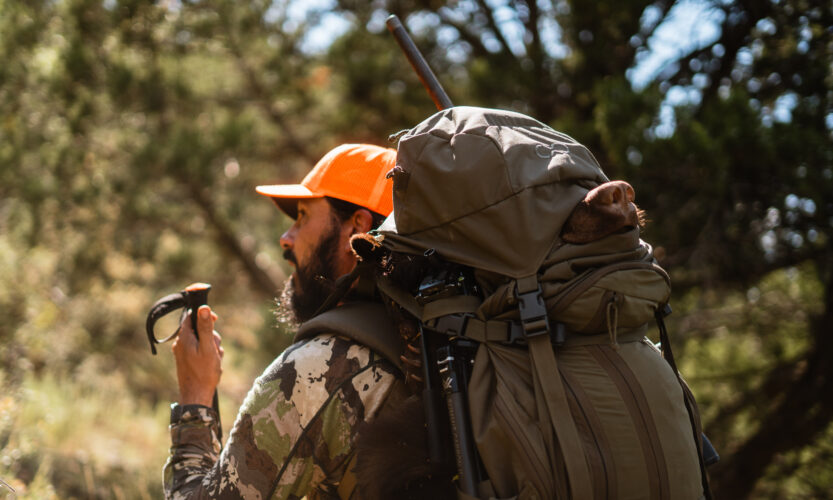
column 567, row 398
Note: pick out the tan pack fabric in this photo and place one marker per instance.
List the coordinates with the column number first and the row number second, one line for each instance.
column 581, row 283
column 587, row 408
column 617, row 408
column 466, row 176
column 627, row 408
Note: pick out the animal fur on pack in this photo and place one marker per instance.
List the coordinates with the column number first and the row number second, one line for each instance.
column 392, row 457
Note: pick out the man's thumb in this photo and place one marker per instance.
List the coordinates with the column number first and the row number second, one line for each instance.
column 205, row 326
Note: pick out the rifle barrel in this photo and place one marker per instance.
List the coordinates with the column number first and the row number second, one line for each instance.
column 418, row 62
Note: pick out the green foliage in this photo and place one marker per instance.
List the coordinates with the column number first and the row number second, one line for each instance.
column 735, row 345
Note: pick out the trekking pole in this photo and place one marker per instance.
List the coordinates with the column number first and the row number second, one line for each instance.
column 434, row 417
column 418, row 62
column 189, row 300
column 452, row 367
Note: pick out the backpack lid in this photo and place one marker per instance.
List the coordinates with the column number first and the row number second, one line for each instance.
column 486, row 188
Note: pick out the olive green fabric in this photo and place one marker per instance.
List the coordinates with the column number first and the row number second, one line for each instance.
column 626, row 403
column 601, row 416
column 486, row 188
column 629, row 412
column 368, row 323
column 620, row 264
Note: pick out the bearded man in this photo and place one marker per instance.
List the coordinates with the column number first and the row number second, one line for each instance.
column 294, row 434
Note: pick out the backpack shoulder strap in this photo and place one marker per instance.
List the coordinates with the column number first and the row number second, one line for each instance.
column 367, row 323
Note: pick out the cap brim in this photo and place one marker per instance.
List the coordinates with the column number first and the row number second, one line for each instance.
column 286, row 191
column 286, row 196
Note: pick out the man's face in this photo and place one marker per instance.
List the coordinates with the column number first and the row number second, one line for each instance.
column 317, row 247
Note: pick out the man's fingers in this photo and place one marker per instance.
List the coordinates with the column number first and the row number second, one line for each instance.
column 205, row 327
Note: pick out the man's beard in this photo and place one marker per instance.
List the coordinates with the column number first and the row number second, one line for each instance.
column 310, row 285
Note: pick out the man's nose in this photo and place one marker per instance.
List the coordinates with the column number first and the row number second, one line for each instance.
column 616, row 193
column 288, row 238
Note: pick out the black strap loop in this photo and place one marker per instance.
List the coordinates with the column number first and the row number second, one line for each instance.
column 665, row 343
column 160, row 308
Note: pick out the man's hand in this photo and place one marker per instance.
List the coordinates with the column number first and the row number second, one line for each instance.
column 198, row 364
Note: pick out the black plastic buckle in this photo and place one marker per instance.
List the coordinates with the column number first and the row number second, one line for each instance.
column 533, row 313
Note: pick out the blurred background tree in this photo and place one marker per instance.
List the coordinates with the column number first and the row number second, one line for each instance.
column 133, row 133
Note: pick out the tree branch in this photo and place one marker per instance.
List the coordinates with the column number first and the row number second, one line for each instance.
column 477, row 46
column 259, row 277
column 258, row 89
column 490, row 16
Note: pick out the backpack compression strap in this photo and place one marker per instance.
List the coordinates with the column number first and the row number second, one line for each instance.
column 537, row 330
column 367, row 323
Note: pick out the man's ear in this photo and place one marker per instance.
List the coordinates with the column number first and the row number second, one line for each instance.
column 361, row 221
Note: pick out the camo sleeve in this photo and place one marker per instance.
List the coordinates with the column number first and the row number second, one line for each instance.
column 294, row 433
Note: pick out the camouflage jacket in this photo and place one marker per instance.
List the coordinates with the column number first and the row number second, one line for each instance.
column 294, row 434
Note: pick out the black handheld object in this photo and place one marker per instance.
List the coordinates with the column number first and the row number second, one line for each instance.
column 420, row 65
column 189, row 300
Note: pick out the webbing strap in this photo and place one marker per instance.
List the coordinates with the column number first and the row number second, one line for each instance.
column 507, row 331
column 451, row 305
column 599, row 456
column 364, row 322
column 492, row 330
column 401, row 297
column 546, row 370
column 527, row 283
